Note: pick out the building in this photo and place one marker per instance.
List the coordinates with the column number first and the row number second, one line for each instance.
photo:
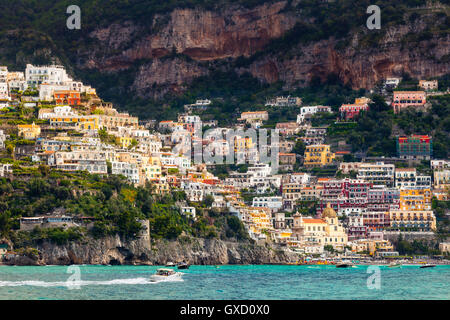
column 257, row 221
column 391, row 83
column 29, row 131
column 351, row 111
column 29, row 223
column 273, row 203
column 405, row 99
column 254, row 116
column 129, row 170
column 441, row 178
column 347, row 167
column 76, row 122
column 284, row 102
column 286, row 158
column 377, row 173
column 287, row 128
column 188, row 211
column 440, row 164
column 415, row 199
column 344, row 193
column 91, row 161
column 428, row 85
column 444, row 247
column 36, row 75
column 306, row 112
column 412, row 220
column 70, row 97
column 415, row 147
column 5, row 169
column 320, row 232
column 318, row 156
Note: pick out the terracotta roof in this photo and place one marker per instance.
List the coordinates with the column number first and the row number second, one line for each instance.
column 311, row 220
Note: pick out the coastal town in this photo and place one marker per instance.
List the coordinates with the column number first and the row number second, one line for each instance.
column 303, row 193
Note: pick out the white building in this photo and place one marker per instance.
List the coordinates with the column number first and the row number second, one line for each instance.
column 391, row 82
column 273, row 203
column 300, row 177
column 129, row 170
column 36, row 75
column 2, row 139
column 16, row 81
column 311, row 110
column 188, row 211
column 5, row 168
column 440, row 164
column 377, row 173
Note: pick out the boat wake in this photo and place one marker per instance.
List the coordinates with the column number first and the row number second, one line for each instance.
column 132, row 281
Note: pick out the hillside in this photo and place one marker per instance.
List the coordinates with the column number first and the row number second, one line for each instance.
column 141, row 53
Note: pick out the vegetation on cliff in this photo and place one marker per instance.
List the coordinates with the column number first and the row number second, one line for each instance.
column 115, row 206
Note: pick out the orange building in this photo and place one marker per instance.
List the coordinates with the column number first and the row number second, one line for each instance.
column 404, row 99
column 69, row 97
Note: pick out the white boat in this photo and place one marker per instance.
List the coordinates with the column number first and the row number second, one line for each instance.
column 395, row 265
column 166, row 275
column 170, row 264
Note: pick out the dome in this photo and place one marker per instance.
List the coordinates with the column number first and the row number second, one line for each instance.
column 328, row 212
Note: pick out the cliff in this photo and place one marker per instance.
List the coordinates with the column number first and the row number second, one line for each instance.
column 150, row 49
column 215, row 39
column 115, row 251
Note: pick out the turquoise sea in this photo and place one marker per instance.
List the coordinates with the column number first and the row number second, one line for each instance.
column 224, row 282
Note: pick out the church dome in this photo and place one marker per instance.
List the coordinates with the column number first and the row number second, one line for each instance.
column 329, row 212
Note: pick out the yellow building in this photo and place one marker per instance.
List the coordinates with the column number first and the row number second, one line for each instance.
column 423, row 220
column 318, row 155
column 124, row 142
column 242, row 144
column 151, row 172
column 257, row 220
column 112, row 121
column 162, row 187
column 76, row 122
column 362, row 100
column 321, row 232
column 371, row 246
column 29, row 131
column 415, row 199
column 441, row 179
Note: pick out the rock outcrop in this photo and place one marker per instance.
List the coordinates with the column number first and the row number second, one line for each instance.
column 115, row 251
column 221, row 36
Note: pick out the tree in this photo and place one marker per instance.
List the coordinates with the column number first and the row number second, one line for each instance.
column 299, row 147
column 208, row 201
column 5, row 223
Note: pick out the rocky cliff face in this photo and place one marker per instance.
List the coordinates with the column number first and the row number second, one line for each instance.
column 222, row 36
column 115, row 251
column 356, row 64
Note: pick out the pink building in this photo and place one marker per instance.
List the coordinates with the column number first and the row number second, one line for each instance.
column 349, row 111
column 404, row 99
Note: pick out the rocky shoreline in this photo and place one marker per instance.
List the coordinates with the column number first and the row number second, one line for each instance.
column 195, row 251
column 116, row 251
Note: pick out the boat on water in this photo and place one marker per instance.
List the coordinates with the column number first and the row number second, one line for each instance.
column 428, row 265
column 345, row 264
column 170, row 264
column 183, row 265
column 395, row 265
column 165, row 274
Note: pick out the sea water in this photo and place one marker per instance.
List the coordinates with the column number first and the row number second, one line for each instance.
column 224, row 282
